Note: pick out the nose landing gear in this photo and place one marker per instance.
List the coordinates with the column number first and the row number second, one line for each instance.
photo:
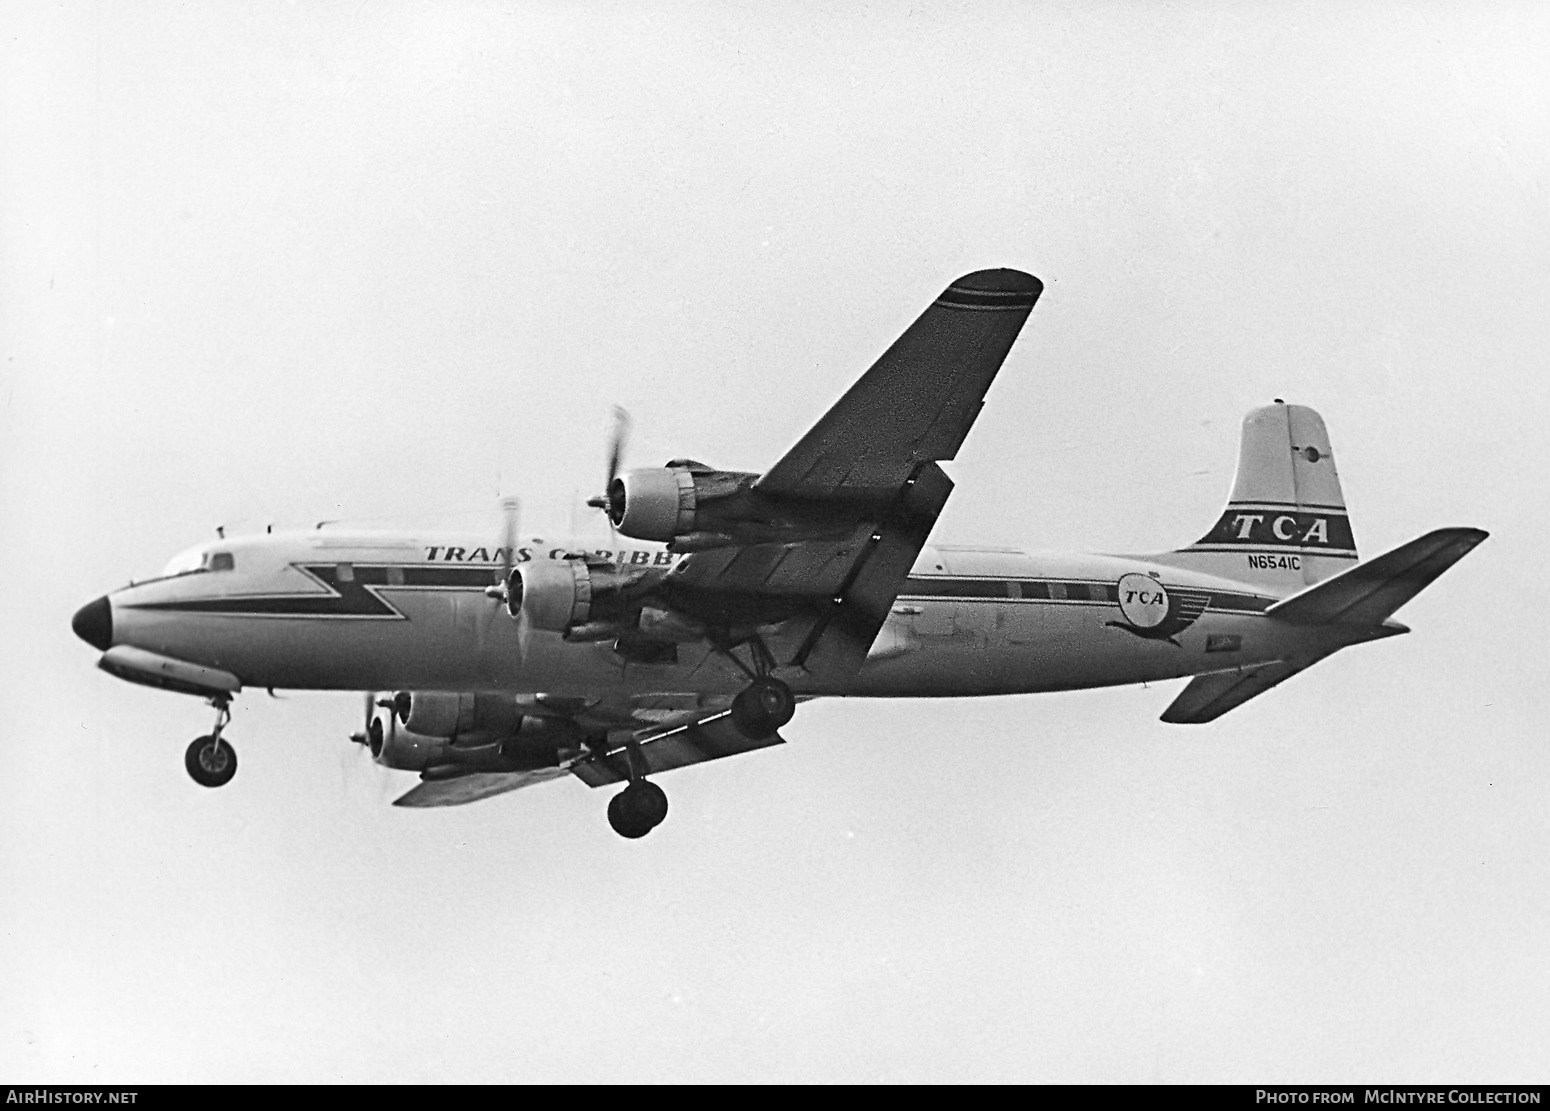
column 210, row 760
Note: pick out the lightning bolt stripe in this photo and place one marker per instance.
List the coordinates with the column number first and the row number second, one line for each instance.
column 356, row 593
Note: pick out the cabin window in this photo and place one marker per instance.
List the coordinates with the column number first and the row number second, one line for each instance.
column 1014, row 590
column 395, row 576
column 344, row 573
column 221, row 561
column 1057, row 591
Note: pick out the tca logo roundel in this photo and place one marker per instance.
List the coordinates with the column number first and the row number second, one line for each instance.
column 1143, row 600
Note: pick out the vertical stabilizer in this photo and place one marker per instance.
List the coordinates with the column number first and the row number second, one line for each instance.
column 1285, row 524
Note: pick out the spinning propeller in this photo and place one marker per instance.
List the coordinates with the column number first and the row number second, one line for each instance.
column 611, row 501
column 499, row 590
column 370, row 735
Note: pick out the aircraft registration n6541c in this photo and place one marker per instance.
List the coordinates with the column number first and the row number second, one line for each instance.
column 732, row 597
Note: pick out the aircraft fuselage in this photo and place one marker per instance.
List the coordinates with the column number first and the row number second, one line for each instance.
column 335, row 611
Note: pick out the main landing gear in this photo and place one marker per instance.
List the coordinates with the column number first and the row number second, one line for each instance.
column 766, row 703
column 640, row 807
column 763, row 707
column 211, row 760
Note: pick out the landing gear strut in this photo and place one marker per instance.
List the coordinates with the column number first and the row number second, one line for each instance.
column 766, row 703
column 211, row 760
column 640, row 807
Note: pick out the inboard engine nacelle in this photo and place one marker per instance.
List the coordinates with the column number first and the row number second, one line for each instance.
column 568, row 595
column 488, row 734
column 451, row 714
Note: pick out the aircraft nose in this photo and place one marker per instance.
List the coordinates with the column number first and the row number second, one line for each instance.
column 93, row 623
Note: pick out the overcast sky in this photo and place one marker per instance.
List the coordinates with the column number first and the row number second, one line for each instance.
column 270, row 264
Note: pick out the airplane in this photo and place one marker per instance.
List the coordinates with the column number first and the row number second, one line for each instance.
column 728, row 598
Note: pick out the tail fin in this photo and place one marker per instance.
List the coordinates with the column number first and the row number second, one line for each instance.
column 1285, row 524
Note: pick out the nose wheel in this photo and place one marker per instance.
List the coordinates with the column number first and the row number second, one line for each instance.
column 210, row 760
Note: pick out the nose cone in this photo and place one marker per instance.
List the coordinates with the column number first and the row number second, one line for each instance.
column 93, row 623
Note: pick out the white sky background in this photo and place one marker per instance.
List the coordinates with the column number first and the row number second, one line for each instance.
column 273, row 264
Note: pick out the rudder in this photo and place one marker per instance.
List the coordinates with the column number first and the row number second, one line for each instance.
column 1285, row 523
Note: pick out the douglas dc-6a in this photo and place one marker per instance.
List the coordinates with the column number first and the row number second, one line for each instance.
column 734, row 597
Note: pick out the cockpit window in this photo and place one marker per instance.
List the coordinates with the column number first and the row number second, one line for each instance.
column 198, row 559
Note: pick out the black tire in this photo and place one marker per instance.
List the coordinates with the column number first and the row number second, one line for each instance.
column 648, row 802
column 763, row 707
column 623, row 822
column 210, row 761
column 637, row 810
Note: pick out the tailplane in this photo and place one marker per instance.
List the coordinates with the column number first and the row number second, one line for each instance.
column 1285, row 524
column 1360, row 599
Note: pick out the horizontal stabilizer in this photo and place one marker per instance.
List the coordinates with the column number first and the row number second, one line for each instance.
column 1208, row 697
column 1367, row 593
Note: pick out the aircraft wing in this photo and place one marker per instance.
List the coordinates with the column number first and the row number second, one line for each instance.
column 867, row 476
column 709, row 738
column 696, row 738
column 917, row 403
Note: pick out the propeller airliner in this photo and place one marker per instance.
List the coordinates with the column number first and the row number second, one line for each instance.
column 730, row 598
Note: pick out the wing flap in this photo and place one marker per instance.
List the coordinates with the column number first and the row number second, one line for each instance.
column 709, row 739
column 473, row 787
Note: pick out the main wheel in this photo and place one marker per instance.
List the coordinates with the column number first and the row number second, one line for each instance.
column 210, row 761
column 763, row 707
column 637, row 810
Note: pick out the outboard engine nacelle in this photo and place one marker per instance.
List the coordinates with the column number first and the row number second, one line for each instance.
column 655, row 503
column 660, row 503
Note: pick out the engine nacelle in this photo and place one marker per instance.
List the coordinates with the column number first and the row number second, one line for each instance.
column 452, row 714
column 528, row 743
column 565, row 595
column 406, row 750
column 552, row 594
column 655, row 503
column 680, row 499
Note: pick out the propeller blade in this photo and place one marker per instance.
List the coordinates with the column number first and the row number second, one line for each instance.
column 617, row 443
column 371, row 709
column 512, row 510
column 620, row 437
